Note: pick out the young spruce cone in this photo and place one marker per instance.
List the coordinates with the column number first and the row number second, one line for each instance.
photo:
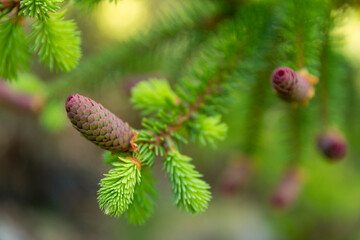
column 98, row 124
column 288, row 188
column 292, row 86
column 332, row 145
column 236, row 175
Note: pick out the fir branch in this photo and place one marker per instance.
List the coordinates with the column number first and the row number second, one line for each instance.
column 14, row 54
column 191, row 193
column 39, row 8
column 118, row 187
column 143, row 204
column 57, row 42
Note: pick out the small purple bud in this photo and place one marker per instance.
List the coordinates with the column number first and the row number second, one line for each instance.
column 288, row 188
column 98, row 125
column 292, row 86
column 236, row 175
column 333, row 145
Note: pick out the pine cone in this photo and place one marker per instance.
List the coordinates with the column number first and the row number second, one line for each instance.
column 332, row 145
column 98, row 124
column 292, row 86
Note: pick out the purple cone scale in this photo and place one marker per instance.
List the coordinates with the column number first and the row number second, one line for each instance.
column 292, row 86
column 98, row 125
column 332, row 145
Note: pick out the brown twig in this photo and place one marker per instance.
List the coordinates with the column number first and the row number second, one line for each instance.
column 136, row 161
column 5, row 4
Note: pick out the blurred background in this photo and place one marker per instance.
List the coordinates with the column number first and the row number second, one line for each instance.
column 49, row 174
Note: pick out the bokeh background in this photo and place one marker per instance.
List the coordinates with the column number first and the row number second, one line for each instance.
column 49, row 174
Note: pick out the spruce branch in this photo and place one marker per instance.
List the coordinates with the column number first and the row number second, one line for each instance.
column 39, row 8
column 302, row 26
column 165, row 127
column 143, row 204
column 117, row 189
column 231, row 56
column 191, row 193
column 189, row 18
column 324, row 86
column 14, row 53
column 208, row 84
column 301, row 33
column 57, row 42
column 257, row 106
column 208, row 129
column 146, row 153
column 152, row 95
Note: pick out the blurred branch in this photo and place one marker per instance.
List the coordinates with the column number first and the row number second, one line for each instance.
column 112, row 63
column 18, row 101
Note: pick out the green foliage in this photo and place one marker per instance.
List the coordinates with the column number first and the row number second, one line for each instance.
column 223, row 58
column 14, row 53
column 301, row 33
column 118, row 187
column 210, row 50
column 146, row 155
column 147, row 145
column 143, row 205
column 171, row 23
column 110, row 158
column 153, row 95
column 57, row 42
column 191, row 193
column 39, row 8
column 209, row 129
column 53, row 118
column 192, row 112
column 30, row 84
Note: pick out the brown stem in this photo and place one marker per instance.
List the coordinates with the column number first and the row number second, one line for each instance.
column 136, row 161
column 5, row 4
column 134, row 146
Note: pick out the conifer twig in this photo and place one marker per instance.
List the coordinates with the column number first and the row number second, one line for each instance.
column 165, row 136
